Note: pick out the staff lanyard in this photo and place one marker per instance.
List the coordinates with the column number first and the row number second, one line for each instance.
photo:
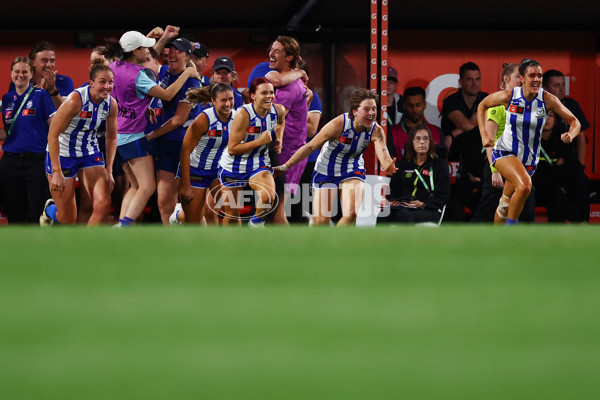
column 419, row 176
column 19, row 110
column 546, row 155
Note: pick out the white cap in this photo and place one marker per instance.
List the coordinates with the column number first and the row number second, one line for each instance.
column 133, row 39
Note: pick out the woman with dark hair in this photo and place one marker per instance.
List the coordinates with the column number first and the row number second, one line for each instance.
column 340, row 166
column 246, row 161
column 178, row 115
column 135, row 86
column 420, row 188
column 26, row 113
column 517, row 151
column 202, row 148
column 73, row 148
column 492, row 180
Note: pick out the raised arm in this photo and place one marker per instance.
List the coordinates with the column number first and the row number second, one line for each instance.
column 190, row 141
column 279, row 79
column 239, row 126
column 495, row 99
column 332, row 130
column 167, row 94
column 553, row 104
column 167, row 35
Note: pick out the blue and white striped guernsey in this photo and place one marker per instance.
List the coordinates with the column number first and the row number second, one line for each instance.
column 343, row 155
column 259, row 156
column 208, row 151
column 525, row 121
column 79, row 139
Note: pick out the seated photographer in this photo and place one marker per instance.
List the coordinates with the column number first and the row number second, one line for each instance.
column 420, row 188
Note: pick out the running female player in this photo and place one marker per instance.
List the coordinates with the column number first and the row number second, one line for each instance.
column 246, row 160
column 493, row 184
column 340, row 166
column 73, row 148
column 202, row 148
column 517, row 152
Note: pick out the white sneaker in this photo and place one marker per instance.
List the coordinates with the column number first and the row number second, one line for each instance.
column 173, row 219
column 117, row 225
column 45, row 220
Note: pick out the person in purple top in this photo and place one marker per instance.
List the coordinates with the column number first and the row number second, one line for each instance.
column 283, row 58
column 134, row 88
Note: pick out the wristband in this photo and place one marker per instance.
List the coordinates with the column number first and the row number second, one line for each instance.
column 285, row 167
column 55, row 93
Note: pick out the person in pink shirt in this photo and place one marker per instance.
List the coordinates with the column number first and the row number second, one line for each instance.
column 283, row 58
column 414, row 105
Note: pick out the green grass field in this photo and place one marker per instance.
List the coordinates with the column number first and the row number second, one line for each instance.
column 457, row 312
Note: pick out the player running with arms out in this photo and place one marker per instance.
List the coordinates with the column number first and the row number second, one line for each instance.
column 246, row 160
column 517, row 151
column 340, row 166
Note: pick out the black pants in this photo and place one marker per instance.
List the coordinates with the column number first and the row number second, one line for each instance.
column 490, row 196
column 410, row 215
column 564, row 191
column 23, row 186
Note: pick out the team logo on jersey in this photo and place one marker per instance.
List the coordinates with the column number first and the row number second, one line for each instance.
column 29, row 104
column 104, row 114
column 85, row 114
column 539, row 113
column 345, row 140
column 516, row 109
column 252, row 130
column 214, row 133
column 28, row 111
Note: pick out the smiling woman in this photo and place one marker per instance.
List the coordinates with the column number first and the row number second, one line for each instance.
column 73, row 147
column 246, row 161
column 517, row 151
column 340, row 165
column 178, row 114
column 421, row 187
column 26, row 113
